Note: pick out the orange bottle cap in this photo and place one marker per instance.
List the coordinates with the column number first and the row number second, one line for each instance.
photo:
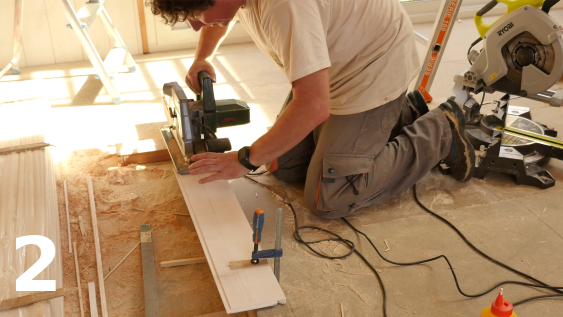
column 500, row 307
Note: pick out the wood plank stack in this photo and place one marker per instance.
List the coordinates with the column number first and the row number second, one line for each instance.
column 28, row 203
column 226, row 236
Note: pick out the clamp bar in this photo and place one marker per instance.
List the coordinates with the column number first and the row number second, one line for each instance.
column 277, row 260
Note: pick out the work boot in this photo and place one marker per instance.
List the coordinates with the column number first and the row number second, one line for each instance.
column 417, row 104
column 461, row 158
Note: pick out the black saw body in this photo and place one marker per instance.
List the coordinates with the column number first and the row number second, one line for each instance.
column 193, row 123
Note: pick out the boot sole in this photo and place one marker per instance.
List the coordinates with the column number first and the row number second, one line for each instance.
column 462, row 171
column 416, row 101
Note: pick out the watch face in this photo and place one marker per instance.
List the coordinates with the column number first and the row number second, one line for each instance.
column 243, row 155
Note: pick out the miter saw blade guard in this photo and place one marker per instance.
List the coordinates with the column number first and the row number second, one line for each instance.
column 193, row 123
column 522, row 51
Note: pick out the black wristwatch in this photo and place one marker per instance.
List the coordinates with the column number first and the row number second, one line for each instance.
column 243, row 158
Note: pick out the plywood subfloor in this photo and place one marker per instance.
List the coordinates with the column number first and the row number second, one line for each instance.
column 126, row 198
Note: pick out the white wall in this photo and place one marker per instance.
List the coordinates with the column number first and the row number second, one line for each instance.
column 162, row 38
column 46, row 39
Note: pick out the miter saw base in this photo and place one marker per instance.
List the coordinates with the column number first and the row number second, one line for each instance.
column 522, row 55
column 508, row 141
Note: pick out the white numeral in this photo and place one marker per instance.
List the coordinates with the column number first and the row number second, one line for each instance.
column 25, row 283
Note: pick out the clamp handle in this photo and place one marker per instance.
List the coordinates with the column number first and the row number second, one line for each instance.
column 257, row 226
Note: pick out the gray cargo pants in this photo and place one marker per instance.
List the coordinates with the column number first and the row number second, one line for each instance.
column 354, row 161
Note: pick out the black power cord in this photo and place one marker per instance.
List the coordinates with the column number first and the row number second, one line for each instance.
column 204, row 127
column 351, row 246
column 348, row 243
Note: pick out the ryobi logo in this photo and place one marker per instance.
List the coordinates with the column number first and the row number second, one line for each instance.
column 505, row 29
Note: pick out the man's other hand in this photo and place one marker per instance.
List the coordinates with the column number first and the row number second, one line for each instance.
column 192, row 79
column 223, row 165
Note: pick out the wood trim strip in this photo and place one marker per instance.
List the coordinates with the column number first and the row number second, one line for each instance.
column 92, row 298
column 97, row 247
column 68, row 219
column 81, row 302
column 124, row 258
column 183, row 262
column 34, row 298
column 22, row 148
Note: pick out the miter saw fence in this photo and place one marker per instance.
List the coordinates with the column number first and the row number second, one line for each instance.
column 193, row 123
column 522, row 55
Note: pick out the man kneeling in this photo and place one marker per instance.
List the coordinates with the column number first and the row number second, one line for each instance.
column 347, row 128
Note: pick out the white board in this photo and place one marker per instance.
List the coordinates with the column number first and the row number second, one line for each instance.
column 226, row 236
column 28, row 198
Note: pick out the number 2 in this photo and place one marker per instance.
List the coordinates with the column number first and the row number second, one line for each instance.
column 25, row 283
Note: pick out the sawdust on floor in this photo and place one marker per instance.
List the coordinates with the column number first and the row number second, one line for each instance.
column 127, row 197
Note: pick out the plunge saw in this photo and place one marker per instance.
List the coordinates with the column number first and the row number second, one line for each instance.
column 522, row 55
column 193, row 123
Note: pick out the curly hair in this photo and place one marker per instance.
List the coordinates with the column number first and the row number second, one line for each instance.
column 174, row 11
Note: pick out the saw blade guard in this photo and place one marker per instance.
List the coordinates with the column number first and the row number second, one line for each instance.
column 529, row 41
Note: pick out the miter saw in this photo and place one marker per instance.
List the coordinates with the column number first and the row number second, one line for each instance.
column 193, row 123
column 522, row 55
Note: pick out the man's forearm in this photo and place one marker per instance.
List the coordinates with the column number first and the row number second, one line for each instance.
column 308, row 109
column 297, row 121
column 210, row 39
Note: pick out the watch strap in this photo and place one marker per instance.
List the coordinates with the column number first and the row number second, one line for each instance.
column 244, row 158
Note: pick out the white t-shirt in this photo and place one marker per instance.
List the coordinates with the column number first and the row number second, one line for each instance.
column 367, row 45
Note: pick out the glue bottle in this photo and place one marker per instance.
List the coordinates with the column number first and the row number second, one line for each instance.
column 499, row 308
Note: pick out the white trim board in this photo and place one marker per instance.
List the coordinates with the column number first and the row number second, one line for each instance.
column 226, row 236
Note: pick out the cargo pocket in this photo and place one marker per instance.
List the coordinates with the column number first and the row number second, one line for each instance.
column 344, row 180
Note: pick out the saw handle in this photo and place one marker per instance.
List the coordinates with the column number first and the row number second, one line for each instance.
column 202, row 76
column 488, row 7
column 207, row 96
column 512, row 5
column 548, row 4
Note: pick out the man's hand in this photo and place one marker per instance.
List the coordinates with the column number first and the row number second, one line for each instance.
column 198, row 66
column 224, row 165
